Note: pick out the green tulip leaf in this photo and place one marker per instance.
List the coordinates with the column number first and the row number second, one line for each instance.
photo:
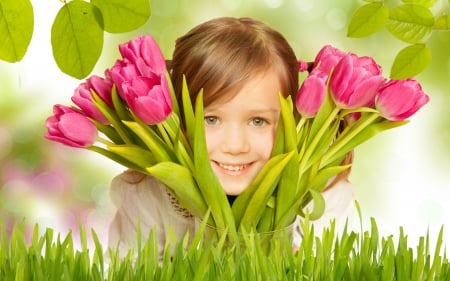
column 287, row 185
column 181, row 182
column 77, row 38
column 135, row 154
column 16, row 29
column 318, row 205
column 152, row 140
column 116, row 158
column 249, row 205
column 210, row 186
column 123, row 16
column 325, row 174
column 442, row 23
column 410, row 61
column 410, row 23
column 368, row 19
column 188, row 111
column 268, row 175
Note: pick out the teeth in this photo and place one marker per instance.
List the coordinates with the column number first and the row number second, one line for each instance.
column 233, row 168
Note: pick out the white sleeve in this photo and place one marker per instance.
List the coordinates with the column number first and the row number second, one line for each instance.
column 339, row 206
column 142, row 200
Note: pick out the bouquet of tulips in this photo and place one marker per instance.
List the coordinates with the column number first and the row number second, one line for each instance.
column 132, row 117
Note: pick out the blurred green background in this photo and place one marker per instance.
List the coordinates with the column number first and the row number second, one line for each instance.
column 401, row 177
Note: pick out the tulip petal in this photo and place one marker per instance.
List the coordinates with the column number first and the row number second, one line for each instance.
column 77, row 128
column 311, row 95
column 400, row 99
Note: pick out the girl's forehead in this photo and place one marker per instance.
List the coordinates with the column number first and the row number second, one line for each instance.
column 259, row 92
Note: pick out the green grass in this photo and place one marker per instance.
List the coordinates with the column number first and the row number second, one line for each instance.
column 334, row 256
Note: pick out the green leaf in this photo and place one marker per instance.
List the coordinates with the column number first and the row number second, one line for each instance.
column 425, row 3
column 410, row 61
column 325, row 174
column 410, row 23
column 152, row 140
column 116, row 158
column 135, row 154
column 287, row 187
column 268, row 173
column 318, row 205
column 16, row 29
column 255, row 197
column 188, row 111
column 181, row 182
column 123, row 16
column 368, row 19
column 442, row 22
column 210, row 186
column 77, row 38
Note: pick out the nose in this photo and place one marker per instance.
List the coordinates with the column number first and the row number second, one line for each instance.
column 235, row 140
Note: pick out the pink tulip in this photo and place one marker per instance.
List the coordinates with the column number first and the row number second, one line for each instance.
column 102, row 87
column 311, row 94
column 148, row 98
column 399, row 99
column 70, row 127
column 141, row 81
column 355, row 81
column 82, row 97
column 141, row 57
column 144, row 52
column 327, row 58
column 120, row 73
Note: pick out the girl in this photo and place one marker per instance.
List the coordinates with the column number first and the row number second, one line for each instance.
column 241, row 64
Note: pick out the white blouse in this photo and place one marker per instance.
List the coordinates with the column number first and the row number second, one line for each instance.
column 141, row 199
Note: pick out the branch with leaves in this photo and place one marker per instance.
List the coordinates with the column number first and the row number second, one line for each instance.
column 77, row 31
column 412, row 22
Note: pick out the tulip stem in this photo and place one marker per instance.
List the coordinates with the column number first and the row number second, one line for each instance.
column 342, row 141
column 105, row 141
column 301, row 123
column 312, row 146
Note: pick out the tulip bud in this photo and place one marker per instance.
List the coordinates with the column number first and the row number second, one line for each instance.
column 399, row 99
column 82, row 97
column 149, row 98
column 144, row 52
column 327, row 58
column 311, row 94
column 70, row 127
column 355, row 81
column 102, row 87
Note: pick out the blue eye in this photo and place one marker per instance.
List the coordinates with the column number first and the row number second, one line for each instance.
column 211, row 120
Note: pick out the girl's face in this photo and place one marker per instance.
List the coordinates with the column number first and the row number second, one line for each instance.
column 240, row 132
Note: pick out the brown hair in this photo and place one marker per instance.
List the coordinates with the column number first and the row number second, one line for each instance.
column 222, row 54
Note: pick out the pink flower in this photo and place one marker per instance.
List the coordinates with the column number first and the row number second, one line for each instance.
column 355, row 81
column 144, row 52
column 82, row 97
column 311, row 94
column 70, row 127
column 122, row 72
column 141, row 57
column 148, row 98
column 327, row 58
column 399, row 99
column 141, row 81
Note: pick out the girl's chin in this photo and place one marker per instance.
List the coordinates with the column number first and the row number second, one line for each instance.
column 233, row 189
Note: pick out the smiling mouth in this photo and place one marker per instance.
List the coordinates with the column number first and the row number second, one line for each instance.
column 232, row 168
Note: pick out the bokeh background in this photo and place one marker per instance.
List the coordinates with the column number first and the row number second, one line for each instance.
column 401, row 177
